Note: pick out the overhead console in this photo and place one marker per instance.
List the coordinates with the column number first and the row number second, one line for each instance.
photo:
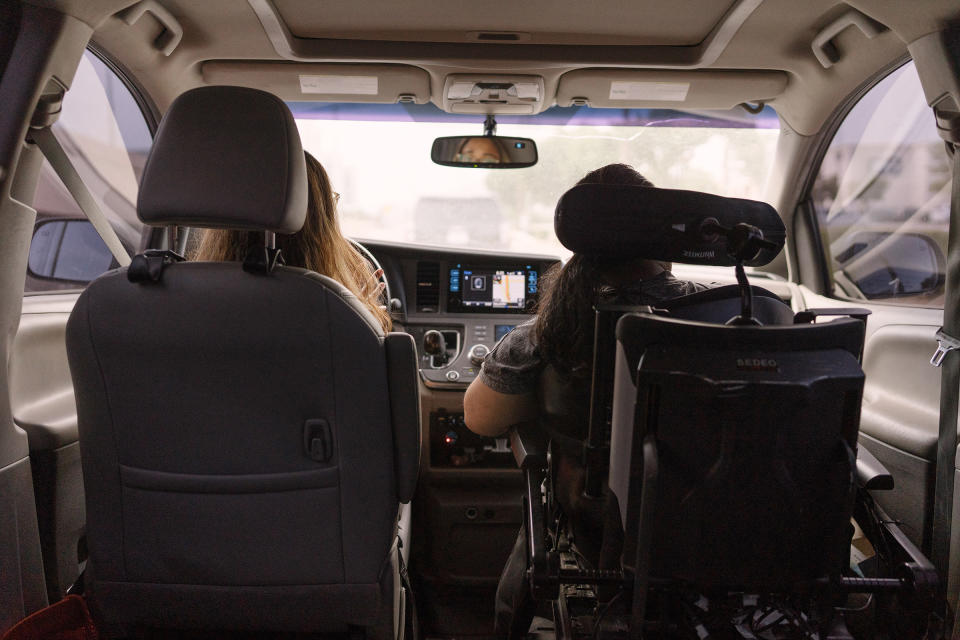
column 483, row 94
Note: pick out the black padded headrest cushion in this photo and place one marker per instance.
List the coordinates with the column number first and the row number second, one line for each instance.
column 627, row 221
column 226, row 157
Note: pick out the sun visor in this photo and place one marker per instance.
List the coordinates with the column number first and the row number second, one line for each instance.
column 380, row 83
column 668, row 89
column 626, row 221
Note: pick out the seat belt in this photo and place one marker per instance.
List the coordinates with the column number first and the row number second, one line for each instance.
column 61, row 164
column 947, row 357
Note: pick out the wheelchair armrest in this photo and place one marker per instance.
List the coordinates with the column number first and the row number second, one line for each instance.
column 871, row 474
column 529, row 445
column 809, row 315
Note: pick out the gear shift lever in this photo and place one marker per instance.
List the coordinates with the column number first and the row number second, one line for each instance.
column 435, row 344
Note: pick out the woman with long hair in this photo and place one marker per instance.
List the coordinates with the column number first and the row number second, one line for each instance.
column 557, row 346
column 319, row 246
column 561, row 336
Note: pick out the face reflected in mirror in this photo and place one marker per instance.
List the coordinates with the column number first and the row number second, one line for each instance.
column 480, row 150
column 484, row 152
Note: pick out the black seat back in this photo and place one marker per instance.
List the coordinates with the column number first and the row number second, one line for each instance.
column 733, row 449
column 247, row 436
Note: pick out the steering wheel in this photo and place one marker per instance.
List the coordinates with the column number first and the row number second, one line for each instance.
column 385, row 296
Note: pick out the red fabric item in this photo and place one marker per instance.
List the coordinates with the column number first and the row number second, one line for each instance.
column 68, row 619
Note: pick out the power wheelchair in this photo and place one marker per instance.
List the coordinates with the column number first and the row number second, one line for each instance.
column 723, row 445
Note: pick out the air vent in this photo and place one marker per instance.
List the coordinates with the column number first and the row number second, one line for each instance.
column 428, row 287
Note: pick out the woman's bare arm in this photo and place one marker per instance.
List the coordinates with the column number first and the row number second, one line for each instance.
column 491, row 413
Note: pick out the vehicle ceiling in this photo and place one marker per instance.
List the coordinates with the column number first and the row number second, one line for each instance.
column 553, row 38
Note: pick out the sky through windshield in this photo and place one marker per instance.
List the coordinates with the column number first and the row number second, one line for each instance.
column 378, row 158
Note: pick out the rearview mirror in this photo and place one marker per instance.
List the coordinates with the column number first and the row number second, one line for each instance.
column 880, row 264
column 68, row 251
column 484, row 152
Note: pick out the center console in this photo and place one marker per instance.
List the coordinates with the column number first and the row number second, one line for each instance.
column 463, row 305
column 457, row 359
column 457, row 305
column 454, row 446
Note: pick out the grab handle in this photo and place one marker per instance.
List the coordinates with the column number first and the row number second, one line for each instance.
column 823, row 45
column 172, row 32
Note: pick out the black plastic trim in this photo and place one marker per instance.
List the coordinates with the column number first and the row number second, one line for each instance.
column 150, row 112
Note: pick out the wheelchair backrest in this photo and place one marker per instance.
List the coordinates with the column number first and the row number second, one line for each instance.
column 733, row 449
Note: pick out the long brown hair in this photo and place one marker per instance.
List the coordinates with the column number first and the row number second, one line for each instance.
column 319, row 246
column 565, row 316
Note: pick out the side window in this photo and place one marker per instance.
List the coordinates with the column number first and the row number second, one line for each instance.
column 105, row 135
column 882, row 198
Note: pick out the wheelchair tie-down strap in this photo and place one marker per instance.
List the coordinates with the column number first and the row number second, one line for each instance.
column 58, row 159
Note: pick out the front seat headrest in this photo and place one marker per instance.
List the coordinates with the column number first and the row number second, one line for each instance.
column 627, row 221
column 226, row 157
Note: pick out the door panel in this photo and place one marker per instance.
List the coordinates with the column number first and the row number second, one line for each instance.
column 902, row 393
column 41, row 395
column 21, row 578
column 41, row 391
column 21, row 587
column 899, row 420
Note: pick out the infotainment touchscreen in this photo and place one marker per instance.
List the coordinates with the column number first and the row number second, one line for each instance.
column 492, row 289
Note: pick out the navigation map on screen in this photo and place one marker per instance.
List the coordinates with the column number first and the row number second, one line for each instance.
column 497, row 289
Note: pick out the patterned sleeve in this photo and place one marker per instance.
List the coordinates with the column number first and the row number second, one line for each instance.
column 514, row 365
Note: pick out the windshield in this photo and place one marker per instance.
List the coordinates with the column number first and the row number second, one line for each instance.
column 378, row 159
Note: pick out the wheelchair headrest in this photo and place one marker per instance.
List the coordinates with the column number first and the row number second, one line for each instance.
column 627, row 221
column 226, row 157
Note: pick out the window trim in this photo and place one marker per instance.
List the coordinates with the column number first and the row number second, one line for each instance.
column 147, row 107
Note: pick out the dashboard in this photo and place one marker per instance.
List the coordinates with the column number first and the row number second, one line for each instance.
column 458, row 304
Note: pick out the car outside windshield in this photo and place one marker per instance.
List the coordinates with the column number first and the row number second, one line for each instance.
column 378, row 159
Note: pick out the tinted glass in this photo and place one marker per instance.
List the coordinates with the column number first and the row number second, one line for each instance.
column 105, row 135
column 882, row 197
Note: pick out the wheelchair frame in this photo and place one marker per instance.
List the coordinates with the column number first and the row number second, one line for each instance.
column 904, row 599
